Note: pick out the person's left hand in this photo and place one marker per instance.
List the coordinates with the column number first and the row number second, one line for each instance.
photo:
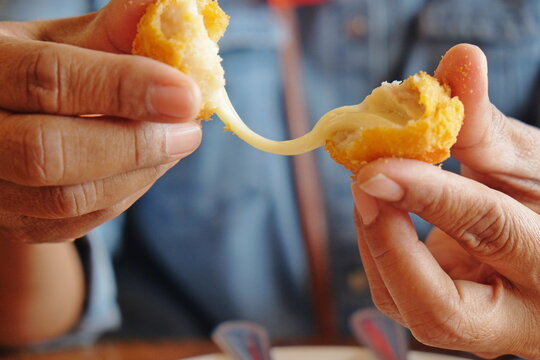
column 475, row 285
column 64, row 171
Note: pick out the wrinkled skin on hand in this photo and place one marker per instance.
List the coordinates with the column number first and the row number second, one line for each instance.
column 62, row 174
column 475, row 285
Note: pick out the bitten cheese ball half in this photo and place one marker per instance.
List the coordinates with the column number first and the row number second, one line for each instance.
column 415, row 119
column 184, row 34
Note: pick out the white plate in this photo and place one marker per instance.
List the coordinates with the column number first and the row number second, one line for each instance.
column 330, row 353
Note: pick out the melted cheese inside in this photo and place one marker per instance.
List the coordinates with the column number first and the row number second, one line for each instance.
column 352, row 119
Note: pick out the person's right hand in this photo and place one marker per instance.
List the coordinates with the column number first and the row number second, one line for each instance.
column 475, row 285
column 61, row 174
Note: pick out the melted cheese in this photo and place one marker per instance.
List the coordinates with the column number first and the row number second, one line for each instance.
column 346, row 118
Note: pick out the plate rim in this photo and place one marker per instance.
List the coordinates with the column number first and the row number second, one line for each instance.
column 417, row 355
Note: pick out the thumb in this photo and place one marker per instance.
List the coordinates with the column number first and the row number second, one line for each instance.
column 489, row 225
column 112, row 29
column 52, row 78
column 486, row 131
column 464, row 68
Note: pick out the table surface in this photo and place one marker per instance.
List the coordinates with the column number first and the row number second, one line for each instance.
column 161, row 350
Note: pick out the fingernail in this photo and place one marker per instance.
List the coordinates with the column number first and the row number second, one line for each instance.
column 366, row 206
column 175, row 102
column 182, row 139
column 382, row 187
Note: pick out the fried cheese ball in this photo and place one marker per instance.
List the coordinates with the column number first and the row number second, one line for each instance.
column 184, row 34
column 415, row 119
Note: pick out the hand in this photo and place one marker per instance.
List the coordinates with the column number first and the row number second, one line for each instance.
column 62, row 174
column 475, row 285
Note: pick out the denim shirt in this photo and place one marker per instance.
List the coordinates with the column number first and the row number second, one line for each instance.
column 218, row 237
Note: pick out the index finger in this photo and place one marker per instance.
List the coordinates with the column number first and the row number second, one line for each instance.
column 46, row 150
column 67, row 80
column 489, row 225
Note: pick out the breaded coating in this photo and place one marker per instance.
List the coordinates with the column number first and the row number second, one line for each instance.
column 427, row 121
column 215, row 19
column 415, row 119
column 184, row 34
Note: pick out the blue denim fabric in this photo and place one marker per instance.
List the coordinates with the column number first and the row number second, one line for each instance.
column 340, row 69
column 19, row 10
column 223, row 224
column 221, row 229
column 507, row 31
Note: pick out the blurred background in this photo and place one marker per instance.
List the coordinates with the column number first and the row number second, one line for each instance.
column 229, row 233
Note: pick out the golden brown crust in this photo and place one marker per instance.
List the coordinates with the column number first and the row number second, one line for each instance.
column 151, row 41
column 428, row 138
column 215, row 19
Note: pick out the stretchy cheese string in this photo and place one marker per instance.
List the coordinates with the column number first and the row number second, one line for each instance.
column 340, row 119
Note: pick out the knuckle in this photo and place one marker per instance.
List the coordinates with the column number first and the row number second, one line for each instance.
column 432, row 202
column 486, row 232
column 453, row 330
column 437, row 331
column 144, row 142
column 439, row 205
column 498, row 130
column 73, row 201
column 388, row 256
column 122, row 97
column 44, row 79
column 126, row 100
column 385, row 305
column 43, row 155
